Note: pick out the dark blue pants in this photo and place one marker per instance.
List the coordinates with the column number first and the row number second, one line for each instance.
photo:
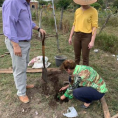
column 87, row 94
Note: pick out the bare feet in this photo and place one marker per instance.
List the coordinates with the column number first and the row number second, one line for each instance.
column 87, row 104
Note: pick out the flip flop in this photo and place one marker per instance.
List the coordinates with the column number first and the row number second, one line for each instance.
column 83, row 106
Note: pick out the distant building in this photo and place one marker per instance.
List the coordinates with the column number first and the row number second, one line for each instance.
column 34, row 4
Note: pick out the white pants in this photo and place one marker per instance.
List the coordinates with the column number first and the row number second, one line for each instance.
column 19, row 65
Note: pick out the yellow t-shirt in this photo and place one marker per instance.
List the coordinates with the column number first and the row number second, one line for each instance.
column 85, row 20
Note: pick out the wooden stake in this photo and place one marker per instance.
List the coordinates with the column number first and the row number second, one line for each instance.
column 29, row 70
column 6, row 53
column 115, row 116
column 105, row 108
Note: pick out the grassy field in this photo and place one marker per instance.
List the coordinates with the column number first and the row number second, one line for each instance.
column 103, row 62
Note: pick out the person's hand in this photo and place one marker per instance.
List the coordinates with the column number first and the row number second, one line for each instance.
column 70, row 41
column 43, row 32
column 62, row 97
column 17, row 49
column 63, row 88
column 90, row 45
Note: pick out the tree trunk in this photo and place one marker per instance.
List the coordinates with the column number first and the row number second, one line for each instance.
column 60, row 26
column 105, row 23
column 106, row 3
column 55, row 26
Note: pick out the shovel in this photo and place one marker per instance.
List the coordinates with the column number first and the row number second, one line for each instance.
column 44, row 70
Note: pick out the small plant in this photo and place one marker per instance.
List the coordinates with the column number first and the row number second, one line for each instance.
column 58, row 95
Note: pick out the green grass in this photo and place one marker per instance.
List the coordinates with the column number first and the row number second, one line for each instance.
column 103, row 62
column 107, row 42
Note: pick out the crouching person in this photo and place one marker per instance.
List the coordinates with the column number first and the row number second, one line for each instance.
column 85, row 85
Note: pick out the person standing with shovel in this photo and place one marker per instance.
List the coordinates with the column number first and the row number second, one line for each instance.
column 84, row 29
column 17, row 28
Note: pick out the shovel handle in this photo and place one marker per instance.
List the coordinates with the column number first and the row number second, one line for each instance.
column 43, row 48
column 43, row 38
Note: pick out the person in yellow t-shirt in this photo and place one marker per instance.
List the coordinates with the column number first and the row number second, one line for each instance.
column 84, row 29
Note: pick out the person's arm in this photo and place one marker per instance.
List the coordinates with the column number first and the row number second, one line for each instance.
column 40, row 30
column 67, row 94
column 63, row 88
column 94, row 28
column 71, row 34
column 72, row 30
column 35, row 27
column 10, row 17
column 91, row 44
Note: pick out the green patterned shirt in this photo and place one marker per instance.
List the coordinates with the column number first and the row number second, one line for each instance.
column 89, row 78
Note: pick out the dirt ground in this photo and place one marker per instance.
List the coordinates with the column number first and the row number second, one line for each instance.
column 44, row 103
column 50, row 88
column 42, row 92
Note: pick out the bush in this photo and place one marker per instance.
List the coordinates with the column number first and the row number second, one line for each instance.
column 34, row 16
column 63, row 3
column 1, row 2
column 52, row 22
column 96, row 5
column 113, row 21
column 100, row 2
column 107, row 42
column 49, row 21
column 66, row 26
column 115, row 3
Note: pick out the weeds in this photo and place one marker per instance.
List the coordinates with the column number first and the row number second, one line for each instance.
column 107, row 42
column 113, row 21
column 66, row 26
column 102, row 62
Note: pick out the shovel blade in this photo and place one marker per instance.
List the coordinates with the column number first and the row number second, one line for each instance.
column 44, row 74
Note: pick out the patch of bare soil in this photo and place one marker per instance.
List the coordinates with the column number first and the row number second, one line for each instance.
column 49, row 89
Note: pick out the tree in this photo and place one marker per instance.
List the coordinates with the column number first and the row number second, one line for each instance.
column 115, row 3
column 63, row 4
column 1, row 2
column 96, row 5
column 100, row 2
column 106, row 2
column 41, row 2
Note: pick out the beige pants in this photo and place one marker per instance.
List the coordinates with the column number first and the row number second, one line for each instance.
column 19, row 65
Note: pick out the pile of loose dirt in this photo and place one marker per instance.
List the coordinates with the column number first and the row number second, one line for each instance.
column 51, row 87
